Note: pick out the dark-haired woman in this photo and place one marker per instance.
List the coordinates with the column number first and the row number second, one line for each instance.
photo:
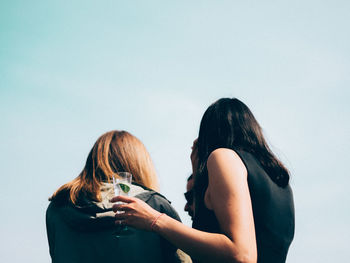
column 244, row 208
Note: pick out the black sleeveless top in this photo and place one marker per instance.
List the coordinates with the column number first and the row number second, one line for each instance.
column 273, row 211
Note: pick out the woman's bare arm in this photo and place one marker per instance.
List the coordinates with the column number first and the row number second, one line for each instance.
column 227, row 195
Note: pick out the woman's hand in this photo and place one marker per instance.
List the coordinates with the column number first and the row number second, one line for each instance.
column 194, row 157
column 136, row 213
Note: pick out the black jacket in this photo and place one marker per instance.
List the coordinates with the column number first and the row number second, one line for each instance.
column 84, row 234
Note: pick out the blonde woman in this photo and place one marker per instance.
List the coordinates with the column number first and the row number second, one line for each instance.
column 79, row 220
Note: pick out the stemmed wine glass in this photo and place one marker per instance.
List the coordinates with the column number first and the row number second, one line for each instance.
column 122, row 186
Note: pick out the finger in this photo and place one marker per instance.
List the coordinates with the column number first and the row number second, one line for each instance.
column 195, row 143
column 124, row 199
column 120, row 207
column 120, row 216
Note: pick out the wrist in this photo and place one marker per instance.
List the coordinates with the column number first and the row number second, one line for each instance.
column 154, row 224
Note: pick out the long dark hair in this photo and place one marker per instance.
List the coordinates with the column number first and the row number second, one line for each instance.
column 228, row 123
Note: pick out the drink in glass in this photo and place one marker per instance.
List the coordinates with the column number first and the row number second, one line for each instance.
column 122, row 186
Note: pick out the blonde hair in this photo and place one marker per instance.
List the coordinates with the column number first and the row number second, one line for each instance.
column 114, row 151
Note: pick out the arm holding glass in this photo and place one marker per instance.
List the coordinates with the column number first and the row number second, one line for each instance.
column 236, row 244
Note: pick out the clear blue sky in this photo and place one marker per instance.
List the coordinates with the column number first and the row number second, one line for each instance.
column 72, row 70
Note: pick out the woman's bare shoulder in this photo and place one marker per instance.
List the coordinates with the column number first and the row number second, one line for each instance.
column 224, row 159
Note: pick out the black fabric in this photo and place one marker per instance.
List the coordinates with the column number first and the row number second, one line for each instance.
column 273, row 211
column 89, row 238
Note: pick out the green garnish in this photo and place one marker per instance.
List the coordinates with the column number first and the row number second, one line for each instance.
column 125, row 188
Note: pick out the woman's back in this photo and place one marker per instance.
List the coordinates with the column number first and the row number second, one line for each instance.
column 273, row 212
column 84, row 233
